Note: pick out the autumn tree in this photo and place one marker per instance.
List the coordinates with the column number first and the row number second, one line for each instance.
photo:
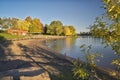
column 72, row 30
column 67, row 31
column 108, row 27
column 57, row 28
column 28, row 19
column 36, row 26
column 22, row 25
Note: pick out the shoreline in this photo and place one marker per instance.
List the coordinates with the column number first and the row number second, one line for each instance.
column 32, row 53
column 47, row 37
column 38, row 50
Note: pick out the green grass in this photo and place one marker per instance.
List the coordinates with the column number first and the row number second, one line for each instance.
column 4, row 35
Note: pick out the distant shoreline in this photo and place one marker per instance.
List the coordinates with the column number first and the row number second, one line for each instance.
column 43, row 37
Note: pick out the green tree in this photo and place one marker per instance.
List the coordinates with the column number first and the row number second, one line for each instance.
column 55, row 28
column 59, row 30
column 45, row 29
column 108, row 27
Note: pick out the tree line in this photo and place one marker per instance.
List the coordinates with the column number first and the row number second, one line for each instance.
column 36, row 26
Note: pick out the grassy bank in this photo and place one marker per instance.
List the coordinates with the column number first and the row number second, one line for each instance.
column 9, row 36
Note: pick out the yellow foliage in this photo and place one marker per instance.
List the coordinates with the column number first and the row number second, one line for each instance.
column 67, row 31
column 112, row 73
column 22, row 24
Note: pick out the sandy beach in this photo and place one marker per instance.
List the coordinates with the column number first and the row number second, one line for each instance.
column 24, row 54
column 30, row 59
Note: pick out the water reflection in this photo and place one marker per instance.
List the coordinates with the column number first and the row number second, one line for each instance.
column 55, row 45
column 71, row 47
column 69, row 42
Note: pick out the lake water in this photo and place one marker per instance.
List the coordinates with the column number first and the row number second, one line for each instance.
column 71, row 47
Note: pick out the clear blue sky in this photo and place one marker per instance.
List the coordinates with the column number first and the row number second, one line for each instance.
column 79, row 13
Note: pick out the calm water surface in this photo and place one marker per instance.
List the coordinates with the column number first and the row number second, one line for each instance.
column 71, row 47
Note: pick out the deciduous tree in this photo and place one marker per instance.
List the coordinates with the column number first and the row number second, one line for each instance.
column 67, row 31
column 108, row 27
column 72, row 30
column 36, row 26
column 55, row 28
column 23, row 25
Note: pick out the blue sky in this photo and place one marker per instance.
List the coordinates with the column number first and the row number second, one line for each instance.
column 79, row 13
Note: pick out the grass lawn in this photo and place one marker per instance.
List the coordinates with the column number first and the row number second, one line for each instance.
column 4, row 35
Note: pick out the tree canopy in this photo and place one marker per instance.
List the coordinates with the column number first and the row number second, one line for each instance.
column 57, row 28
column 36, row 26
column 29, row 24
column 108, row 27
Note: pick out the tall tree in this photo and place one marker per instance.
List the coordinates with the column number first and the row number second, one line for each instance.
column 23, row 25
column 72, row 30
column 55, row 28
column 36, row 26
column 14, row 22
column 67, row 31
column 45, row 28
column 28, row 19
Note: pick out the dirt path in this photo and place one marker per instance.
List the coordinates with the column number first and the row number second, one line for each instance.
column 31, row 53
